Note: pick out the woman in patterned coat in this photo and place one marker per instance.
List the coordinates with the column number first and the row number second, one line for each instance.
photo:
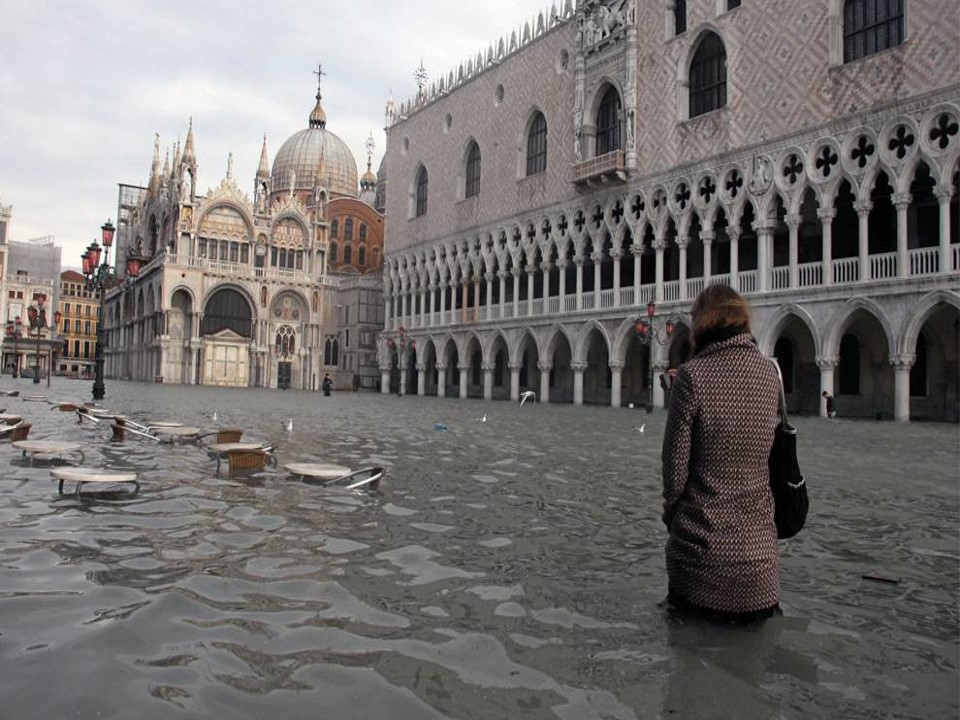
column 722, row 551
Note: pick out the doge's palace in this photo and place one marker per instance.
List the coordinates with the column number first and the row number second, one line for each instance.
column 607, row 160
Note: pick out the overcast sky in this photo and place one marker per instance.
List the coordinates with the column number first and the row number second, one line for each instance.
column 85, row 85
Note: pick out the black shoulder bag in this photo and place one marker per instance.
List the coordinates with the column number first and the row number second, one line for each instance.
column 786, row 481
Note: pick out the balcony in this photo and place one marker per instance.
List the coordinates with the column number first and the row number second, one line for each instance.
column 602, row 169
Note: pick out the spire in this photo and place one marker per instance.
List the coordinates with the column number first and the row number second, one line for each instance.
column 155, row 165
column 177, row 158
column 189, row 154
column 369, row 179
column 264, row 169
column 165, row 175
column 318, row 118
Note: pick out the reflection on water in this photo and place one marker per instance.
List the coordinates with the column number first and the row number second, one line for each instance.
column 504, row 569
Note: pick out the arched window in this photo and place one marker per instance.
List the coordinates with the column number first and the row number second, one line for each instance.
column 361, row 255
column 363, row 232
column 283, row 258
column 708, row 76
column 333, row 252
column 679, row 16
column 348, row 229
column 537, row 145
column 473, row 171
column 347, row 254
column 870, row 26
column 421, row 194
column 227, row 309
column 608, row 122
column 334, row 228
column 848, row 370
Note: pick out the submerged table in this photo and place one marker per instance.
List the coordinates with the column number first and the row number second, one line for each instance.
column 176, row 432
column 317, row 471
column 48, row 447
column 82, row 476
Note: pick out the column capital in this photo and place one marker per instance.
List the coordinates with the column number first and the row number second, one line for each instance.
column 661, row 365
column 531, row 268
column 562, row 264
column 902, row 361
column 616, row 365
column 515, row 271
column 901, row 201
column 827, row 363
column 544, row 366
column 792, row 221
column 683, row 242
column 579, row 366
column 762, row 227
column 578, row 260
column 420, row 367
column 659, row 245
column 637, row 248
column 441, row 367
column 734, row 233
column 489, row 277
column 597, row 257
column 545, row 266
column 616, row 252
column 826, row 214
column 944, row 193
column 515, row 367
column 503, row 274
column 863, row 207
column 707, row 236
column 487, row 367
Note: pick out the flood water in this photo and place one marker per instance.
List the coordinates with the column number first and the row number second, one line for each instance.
column 505, row 569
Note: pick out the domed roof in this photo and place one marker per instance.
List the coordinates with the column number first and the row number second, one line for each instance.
column 314, row 151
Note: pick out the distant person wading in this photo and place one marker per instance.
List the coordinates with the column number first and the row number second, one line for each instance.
column 722, row 557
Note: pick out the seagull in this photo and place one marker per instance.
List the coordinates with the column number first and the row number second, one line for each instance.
column 483, row 419
column 641, row 428
column 289, row 425
column 215, row 415
column 528, row 395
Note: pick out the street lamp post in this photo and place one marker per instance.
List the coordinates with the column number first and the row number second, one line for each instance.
column 648, row 333
column 37, row 315
column 99, row 275
column 55, row 328
column 15, row 331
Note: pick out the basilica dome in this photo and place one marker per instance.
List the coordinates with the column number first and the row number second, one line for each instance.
column 313, row 151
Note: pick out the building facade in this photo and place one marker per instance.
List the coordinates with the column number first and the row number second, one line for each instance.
column 611, row 154
column 235, row 291
column 80, row 315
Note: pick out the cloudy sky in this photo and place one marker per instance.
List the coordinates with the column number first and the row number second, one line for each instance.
column 85, row 85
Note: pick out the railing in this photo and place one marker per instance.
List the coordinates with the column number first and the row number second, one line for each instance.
column 508, row 311
column 553, row 305
column 810, row 273
column 608, row 164
column 721, row 279
column 925, row 261
column 780, row 278
column 537, row 307
column 749, row 280
column 647, row 293
column 846, row 270
column 883, row 266
column 606, row 298
column 626, row 297
column 569, row 303
column 671, row 290
column 694, row 287
column 588, row 301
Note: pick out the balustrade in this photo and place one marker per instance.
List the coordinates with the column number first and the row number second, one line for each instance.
column 883, row 266
column 606, row 298
column 846, row 270
column 671, row 290
column 924, row 261
column 810, row 273
column 780, row 278
column 626, row 297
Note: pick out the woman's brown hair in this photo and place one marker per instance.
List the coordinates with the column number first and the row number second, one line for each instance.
column 719, row 312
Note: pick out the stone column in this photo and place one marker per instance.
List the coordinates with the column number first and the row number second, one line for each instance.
column 441, row 381
column 578, row 261
column 863, row 246
column 901, row 385
column 683, row 244
column 405, row 320
column 544, row 369
column 464, row 308
column 545, row 295
column 793, row 225
column 388, row 309
column 531, row 268
column 734, row 234
column 578, row 368
column 706, row 237
column 432, row 290
column 562, row 267
column 516, row 290
column 421, row 376
column 487, row 369
column 826, row 216
column 477, row 281
column 464, row 371
column 597, row 258
column 637, row 265
column 943, row 197
column 442, row 287
column 615, row 255
column 488, row 308
column 502, row 274
column 403, row 374
column 764, row 233
column 616, row 372
column 827, row 367
column 658, row 246
column 384, row 381
column 901, row 201
column 515, row 381
column 660, row 365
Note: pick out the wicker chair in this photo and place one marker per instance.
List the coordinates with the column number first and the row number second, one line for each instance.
column 20, row 432
column 245, row 460
column 228, row 436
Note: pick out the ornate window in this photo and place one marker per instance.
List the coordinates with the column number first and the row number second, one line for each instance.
column 361, row 255
column 347, row 254
column 708, row 76
column 679, row 16
column 537, row 145
column 870, row 26
column 363, row 232
column 333, row 252
column 421, row 192
column 608, row 122
column 334, row 228
column 473, row 171
column 348, row 229
column 285, row 342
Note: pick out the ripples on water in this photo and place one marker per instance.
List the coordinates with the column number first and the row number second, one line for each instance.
column 505, row 569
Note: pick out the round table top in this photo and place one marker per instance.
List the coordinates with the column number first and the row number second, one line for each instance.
column 34, row 398
column 4, row 417
column 47, row 446
column 96, row 475
column 98, row 412
column 164, row 424
column 176, row 430
column 227, row 447
column 323, row 471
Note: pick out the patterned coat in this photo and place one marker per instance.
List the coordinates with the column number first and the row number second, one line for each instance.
column 717, row 505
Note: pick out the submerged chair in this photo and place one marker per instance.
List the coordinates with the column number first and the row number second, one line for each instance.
column 20, row 431
column 245, row 460
column 224, row 435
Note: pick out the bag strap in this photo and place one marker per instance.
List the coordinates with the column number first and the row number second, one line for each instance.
column 783, row 396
